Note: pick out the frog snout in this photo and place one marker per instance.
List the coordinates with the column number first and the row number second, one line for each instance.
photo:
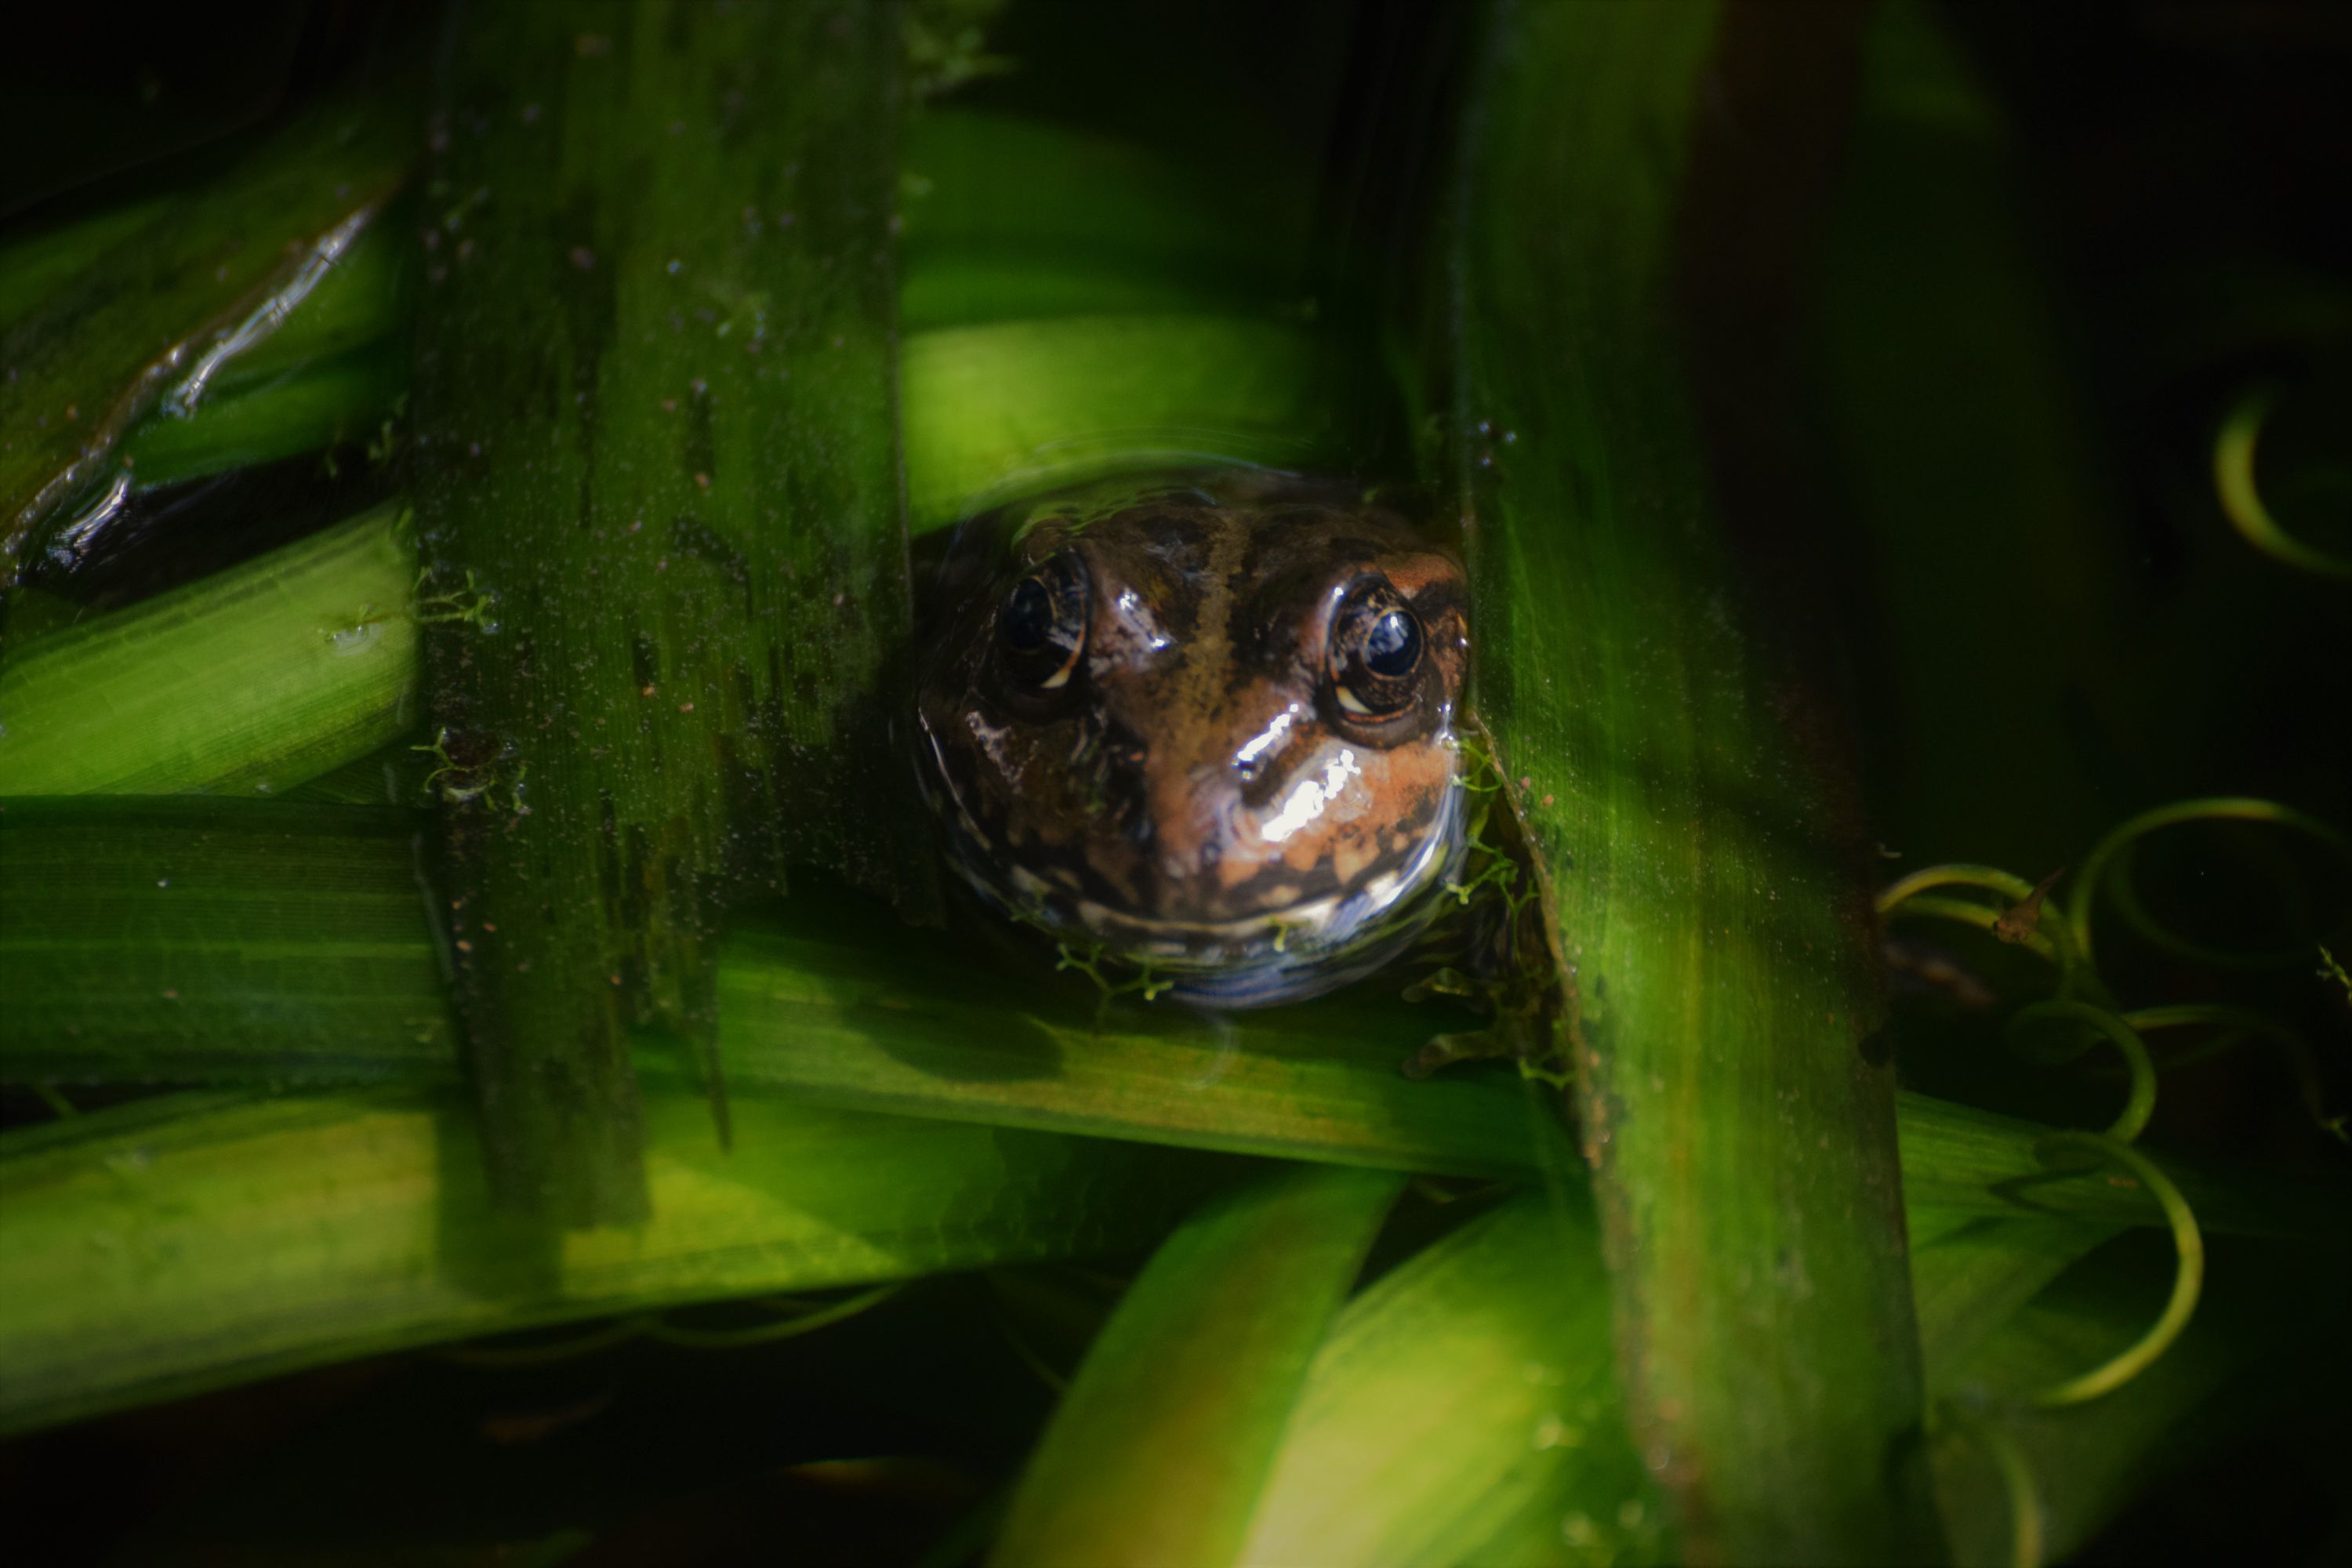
column 1209, row 849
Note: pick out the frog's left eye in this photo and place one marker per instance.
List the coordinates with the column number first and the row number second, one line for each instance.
column 1375, row 653
column 1040, row 628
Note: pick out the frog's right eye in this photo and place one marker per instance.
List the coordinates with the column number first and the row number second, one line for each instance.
column 1040, row 628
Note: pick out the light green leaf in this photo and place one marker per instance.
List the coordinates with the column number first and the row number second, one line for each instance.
column 249, row 681
column 1466, row 1409
column 1162, row 1445
column 182, row 1244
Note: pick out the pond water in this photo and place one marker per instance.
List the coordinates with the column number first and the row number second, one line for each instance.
column 474, row 481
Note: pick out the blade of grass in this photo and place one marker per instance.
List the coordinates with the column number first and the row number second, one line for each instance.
column 1962, row 1159
column 2267, row 1333
column 364, row 298
column 250, row 681
column 1160, row 1447
column 819, row 1005
column 391, row 775
column 1464, row 1410
column 337, row 400
column 329, row 373
column 189, row 1243
column 151, row 299
column 1010, row 407
column 836, row 1022
column 246, row 920
column 1970, row 1273
column 33, row 265
column 1744, row 1141
column 653, row 424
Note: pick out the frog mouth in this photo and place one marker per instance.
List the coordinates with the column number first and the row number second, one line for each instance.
column 1286, row 953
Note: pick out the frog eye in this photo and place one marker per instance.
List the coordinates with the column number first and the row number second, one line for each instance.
column 1375, row 653
column 1040, row 628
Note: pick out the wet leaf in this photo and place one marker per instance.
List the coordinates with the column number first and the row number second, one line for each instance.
column 1464, row 1409
column 159, row 939
column 1743, row 1140
column 104, row 318
column 323, row 899
column 1160, row 1447
column 656, row 434
column 185, row 1243
column 249, row 681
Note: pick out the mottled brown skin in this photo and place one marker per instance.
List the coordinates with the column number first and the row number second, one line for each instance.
column 1197, row 792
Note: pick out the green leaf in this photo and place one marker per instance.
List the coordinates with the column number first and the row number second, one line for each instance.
column 324, row 901
column 1013, row 407
column 1960, row 1160
column 653, row 425
column 2267, row 1334
column 186, row 1243
column 116, row 314
column 329, row 371
column 835, row 1021
column 1744, row 1140
column 162, row 940
column 1162, row 1445
column 1970, row 1273
column 1008, row 218
column 1464, row 1409
column 249, row 681
column 341, row 400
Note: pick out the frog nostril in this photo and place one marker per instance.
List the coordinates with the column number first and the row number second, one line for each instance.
column 1261, row 781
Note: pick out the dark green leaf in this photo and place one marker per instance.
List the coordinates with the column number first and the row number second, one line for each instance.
column 107, row 318
column 1745, row 1144
column 2268, row 1334
column 819, row 1005
column 159, row 939
column 655, row 427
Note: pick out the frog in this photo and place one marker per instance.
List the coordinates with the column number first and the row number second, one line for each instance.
column 1205, row 728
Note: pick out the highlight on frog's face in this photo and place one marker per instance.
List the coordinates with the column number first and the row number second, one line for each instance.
column 1212, row 730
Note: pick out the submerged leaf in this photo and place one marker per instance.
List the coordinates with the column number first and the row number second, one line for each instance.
column 819, row 1006
column 1464, row 1410
column 1162, row 1444
column 655, row 420
column 102, row 321
column 157, row 941
column 186, row 1243
column 1742, row 1133
column 251, row 681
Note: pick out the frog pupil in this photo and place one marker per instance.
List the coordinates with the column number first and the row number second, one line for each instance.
column 1028, row 618
column 1392, row 644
